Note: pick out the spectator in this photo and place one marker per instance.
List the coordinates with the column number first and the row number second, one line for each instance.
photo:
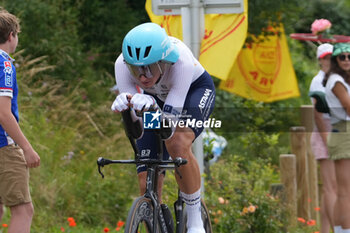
column 16, row 153
column 337, row 82
column 319, row 141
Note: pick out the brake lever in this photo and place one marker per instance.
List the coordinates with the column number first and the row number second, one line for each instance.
column 178, row 172
column 100, row 163
column 178, row 162
column 99, row 171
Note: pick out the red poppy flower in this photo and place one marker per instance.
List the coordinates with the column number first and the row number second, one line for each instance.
column 72, row 224
column 301, row 220
column 311, row 222
column 120, row 223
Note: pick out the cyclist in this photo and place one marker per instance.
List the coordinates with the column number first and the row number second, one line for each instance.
column 174, row 81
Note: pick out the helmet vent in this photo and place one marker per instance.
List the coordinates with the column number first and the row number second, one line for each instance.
column 138, row 53
column 148, row 49
column 129, row 51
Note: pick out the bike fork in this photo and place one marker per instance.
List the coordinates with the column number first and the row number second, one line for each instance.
column 161, row 221
column 179, row 216
column 151, row 188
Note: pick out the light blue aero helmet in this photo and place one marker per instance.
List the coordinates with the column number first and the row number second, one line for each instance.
column 148, row 43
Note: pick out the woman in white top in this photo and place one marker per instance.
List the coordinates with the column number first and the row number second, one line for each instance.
column 319, row 141
column 337, row 82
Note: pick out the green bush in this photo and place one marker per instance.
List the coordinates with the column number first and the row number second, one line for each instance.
column 239, row 199
column 50, row 28
column 80, row 39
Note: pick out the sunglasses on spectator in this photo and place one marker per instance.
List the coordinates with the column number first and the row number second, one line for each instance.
column 342, row 57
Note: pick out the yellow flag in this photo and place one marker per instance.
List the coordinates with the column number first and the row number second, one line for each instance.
column 171, row 23
column 263, row 71
column 223, row 37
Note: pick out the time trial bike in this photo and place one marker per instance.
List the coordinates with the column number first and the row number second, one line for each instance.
column 147, row 214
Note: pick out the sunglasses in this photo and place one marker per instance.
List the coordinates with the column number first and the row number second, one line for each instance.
column 342, row 57
column 149, row 71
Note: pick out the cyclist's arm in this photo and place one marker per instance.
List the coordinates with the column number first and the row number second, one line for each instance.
column 181, row 78
column 126, row 86
column 123, row 78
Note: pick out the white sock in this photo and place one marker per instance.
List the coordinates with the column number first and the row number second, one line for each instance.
column 193, row 209
column 338, row 229
column 345, row 230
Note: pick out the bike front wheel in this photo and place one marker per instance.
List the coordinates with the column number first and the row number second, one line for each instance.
column 140, row 217
column 206, row 218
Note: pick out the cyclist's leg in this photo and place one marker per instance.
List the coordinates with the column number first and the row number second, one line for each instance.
column 198, row 105
column 147, row 146
column 180, row 145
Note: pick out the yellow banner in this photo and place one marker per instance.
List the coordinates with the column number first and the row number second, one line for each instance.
column 171, row 23
column 224, row 36
column 263, row 72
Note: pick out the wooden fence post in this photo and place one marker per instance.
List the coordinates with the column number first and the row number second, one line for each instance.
column 288, row 179
column 307, row 122
column 298, row 147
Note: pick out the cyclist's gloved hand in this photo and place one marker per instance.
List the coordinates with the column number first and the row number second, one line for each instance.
column 143, row 102
column 121, row 103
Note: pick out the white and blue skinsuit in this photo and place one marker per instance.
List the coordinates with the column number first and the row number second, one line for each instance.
column 185, row 87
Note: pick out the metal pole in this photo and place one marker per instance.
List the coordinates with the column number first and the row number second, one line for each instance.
column 195, row 22
column 186, row 26
column 192, row 12
column 192, row 32
column 197, row 9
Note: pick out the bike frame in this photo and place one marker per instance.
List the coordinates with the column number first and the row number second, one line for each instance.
column 154, row 167
column 179, row 214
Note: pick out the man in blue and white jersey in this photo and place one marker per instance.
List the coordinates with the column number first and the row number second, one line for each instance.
column 176, row 83
column 16, row 153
